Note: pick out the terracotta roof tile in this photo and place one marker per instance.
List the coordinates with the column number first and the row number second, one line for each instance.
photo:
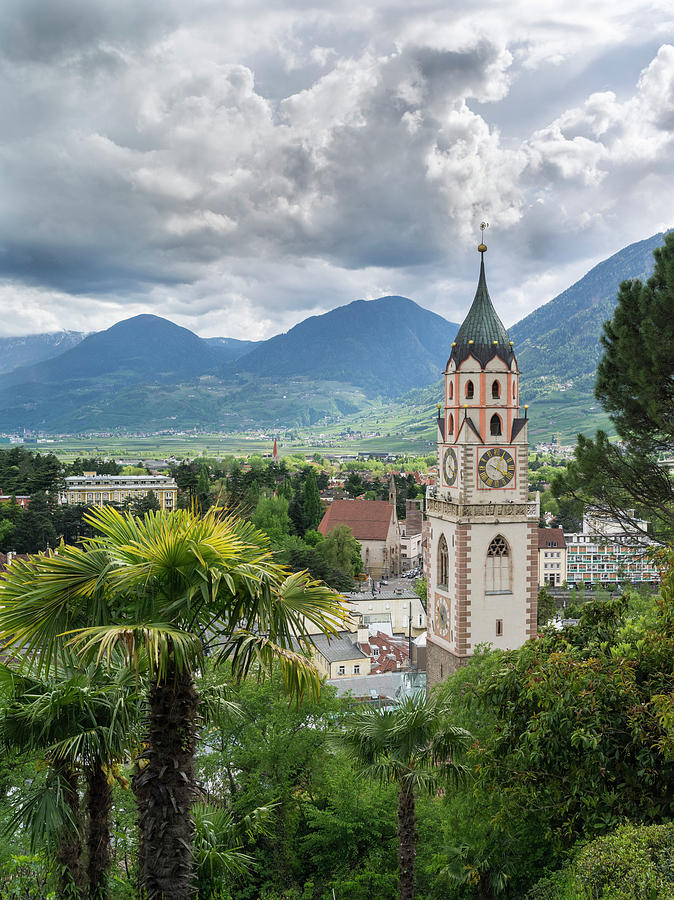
column 550, row 537
column 368, row 519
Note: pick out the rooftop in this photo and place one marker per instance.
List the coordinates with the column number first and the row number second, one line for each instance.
column 368, row 519
column 550, row 537
column 337, row 648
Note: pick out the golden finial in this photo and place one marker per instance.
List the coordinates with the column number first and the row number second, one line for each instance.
column 470, row 341
column 482, row 246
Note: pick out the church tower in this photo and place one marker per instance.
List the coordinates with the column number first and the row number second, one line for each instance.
column 483, row 531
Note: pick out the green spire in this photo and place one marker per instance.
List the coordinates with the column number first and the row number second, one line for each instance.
column 482, row 333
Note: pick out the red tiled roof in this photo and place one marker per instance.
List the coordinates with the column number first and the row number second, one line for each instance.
column 368, row 519
column 393, row 654
column 550, row 537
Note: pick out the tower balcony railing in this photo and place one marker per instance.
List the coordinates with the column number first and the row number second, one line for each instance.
column 529, row 510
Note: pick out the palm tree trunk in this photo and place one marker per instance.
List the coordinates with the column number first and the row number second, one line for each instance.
column 407, row 843
column 164, row 789
column 70, row 874
column 99, row 804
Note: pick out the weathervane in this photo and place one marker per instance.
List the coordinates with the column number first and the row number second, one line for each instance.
column 482, row 247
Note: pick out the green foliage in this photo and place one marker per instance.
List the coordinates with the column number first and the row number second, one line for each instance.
column 271, row 516
column 25, row 877
column 577, row 745
column 93, row 464
column 635, row 387
column 341, row 550
column 143, row 505
column 421, row 587
column 25, row 472
column 35, row 529
column 547, row 606
column 633, row 862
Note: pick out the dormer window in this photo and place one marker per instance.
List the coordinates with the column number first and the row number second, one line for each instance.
column 470, row 390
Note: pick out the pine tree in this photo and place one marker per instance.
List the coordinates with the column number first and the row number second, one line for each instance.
column 635, row 385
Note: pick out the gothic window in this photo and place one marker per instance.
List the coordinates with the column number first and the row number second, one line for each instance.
column 470, row 390
column 495, row 425
column 513, row 390
column 443, row 562
column 450, row 392
column 497, row 570
column 495, row 390
column 450, row 424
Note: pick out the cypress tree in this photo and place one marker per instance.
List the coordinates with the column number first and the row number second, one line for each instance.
column 311, row 501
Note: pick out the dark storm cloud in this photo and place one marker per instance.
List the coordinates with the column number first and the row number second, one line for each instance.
column 240, row 169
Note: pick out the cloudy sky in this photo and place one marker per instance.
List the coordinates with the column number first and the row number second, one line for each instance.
column 237, row 166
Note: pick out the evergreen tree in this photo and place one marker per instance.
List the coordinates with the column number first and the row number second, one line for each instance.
column 635, row 385
column 203, row 490
column 146, row 504
column 311, row 502
column 35, row 529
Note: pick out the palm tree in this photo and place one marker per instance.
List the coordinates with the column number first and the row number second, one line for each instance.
column 414, row 746
column 80, row 723
column 167, row 590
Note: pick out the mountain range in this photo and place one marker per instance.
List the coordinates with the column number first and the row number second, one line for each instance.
column 368, row 360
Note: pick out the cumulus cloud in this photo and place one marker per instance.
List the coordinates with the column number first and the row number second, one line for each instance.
column 239, row 172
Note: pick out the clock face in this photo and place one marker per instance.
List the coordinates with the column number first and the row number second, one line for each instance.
column 496, row 467
column 449, row 466
column 443, row 618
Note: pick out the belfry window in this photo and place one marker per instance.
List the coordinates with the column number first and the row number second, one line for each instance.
column 450, row 391
column 443, row 562
column 514, row 394
column 497, row 568
column 450, row 424
column 495, row 425
column 470, row 390
column 495, row 390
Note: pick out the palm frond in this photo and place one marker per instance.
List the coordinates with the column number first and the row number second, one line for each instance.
column 43, row 811
column 161, row 644
column 246, row 648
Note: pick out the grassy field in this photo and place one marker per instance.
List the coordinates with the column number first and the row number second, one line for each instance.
column 395, row 427
column 213, row 445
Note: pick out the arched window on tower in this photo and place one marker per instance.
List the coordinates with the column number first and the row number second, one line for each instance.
column 450, row 391
column 497, row 568
column 443, row 562
column 514, row 395
column 495, row 390
column 450, row 424
column 495, row 425
column 470, row 390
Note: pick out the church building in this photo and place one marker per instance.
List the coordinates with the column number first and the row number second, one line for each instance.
column 482, row 549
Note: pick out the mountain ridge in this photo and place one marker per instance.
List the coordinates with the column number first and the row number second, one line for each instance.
column 148, row 373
